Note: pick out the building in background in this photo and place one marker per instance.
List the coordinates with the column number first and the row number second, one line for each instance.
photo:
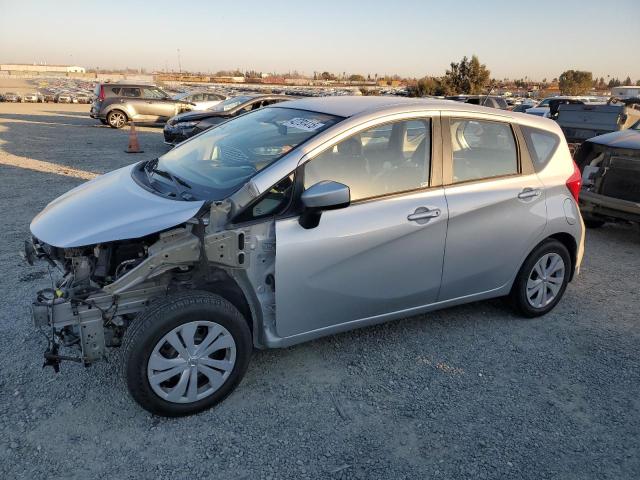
column 22, row 67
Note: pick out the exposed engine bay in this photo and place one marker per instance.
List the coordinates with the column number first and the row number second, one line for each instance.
column 100, row 288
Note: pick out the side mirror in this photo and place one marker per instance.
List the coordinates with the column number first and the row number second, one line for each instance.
column 324, row 195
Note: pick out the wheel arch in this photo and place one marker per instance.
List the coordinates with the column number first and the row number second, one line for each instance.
column 565, row 239
column 223, row 284
column 120, row 108
column 570, row 243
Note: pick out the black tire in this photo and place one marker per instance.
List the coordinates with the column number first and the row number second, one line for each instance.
column 160, row 318
column 103, row 121
column 113, row 119
column 593, row 223
column 518, row 294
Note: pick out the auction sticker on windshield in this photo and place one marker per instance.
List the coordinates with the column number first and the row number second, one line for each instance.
column 306, row 124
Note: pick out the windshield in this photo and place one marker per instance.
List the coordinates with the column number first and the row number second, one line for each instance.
column 230, row 103
column 219, row 161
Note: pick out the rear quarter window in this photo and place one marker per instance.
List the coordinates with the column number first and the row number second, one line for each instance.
column 541, row 145
column 116, row 90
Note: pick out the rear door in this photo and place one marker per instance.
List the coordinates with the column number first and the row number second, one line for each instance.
column 496, row 202
column 382, row 255
column 132, row 96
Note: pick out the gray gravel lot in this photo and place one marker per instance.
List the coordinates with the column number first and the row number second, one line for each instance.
column 473, row 392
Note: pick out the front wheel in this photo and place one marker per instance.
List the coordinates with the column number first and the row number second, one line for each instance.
column 186, row 353
column 542, row 279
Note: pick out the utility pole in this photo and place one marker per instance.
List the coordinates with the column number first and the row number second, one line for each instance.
column 179, row 63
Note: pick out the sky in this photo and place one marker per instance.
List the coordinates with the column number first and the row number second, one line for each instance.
column 538, row 39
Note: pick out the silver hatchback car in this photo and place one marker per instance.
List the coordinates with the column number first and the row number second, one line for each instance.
column 300, row 220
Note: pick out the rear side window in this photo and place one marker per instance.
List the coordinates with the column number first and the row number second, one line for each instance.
column 131, row 92
column 541, row 145
column 482, row 149
column 115, row 90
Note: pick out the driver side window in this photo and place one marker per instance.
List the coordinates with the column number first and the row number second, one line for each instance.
column 383, row 160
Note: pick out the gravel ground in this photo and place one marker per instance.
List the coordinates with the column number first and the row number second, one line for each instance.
column 472, row 392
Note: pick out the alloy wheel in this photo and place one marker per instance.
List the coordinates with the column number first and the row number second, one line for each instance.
column 117, row 119
column 191, row 362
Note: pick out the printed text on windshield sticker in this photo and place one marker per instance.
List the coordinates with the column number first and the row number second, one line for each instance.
column 305, row 124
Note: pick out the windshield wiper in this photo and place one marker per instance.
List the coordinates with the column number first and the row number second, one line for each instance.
column 151, row 167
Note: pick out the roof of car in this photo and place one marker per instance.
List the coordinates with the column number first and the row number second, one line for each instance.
column 350, row 106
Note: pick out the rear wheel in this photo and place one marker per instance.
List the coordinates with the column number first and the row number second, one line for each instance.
column 117, row 119
column 186, row 353
column 542, row 279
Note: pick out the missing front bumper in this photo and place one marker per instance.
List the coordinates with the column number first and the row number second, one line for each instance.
column 89, row 320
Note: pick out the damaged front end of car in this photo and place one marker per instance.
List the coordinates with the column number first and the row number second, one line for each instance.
column 100, row 288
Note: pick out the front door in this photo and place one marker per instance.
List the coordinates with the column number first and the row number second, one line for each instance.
column 381, row 255
column 155, row 106
column 496, row 202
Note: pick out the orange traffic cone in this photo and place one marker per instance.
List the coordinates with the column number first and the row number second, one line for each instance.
column 134, row 145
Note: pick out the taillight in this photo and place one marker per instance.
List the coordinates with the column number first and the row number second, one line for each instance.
column 101, row 96
column 574, row 183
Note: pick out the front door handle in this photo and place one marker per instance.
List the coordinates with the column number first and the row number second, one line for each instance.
column 529, row 193
column 423, row 213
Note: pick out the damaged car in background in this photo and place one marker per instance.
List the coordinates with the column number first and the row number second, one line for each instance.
column 299, row 220
column 610, row 166
column 188, row 124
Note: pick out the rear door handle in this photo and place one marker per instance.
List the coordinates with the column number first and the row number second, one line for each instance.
column 423, row 213
column 529, row 193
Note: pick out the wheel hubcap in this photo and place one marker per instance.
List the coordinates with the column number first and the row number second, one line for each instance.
column 191, row 362
column 545, row 280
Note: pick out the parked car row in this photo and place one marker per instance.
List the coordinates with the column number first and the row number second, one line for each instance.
column 46, row 97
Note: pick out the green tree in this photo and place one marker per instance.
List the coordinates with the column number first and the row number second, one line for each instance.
column 575, row 82
column 614, row 82
column 627, row 82
column 467, row 76
column 356, row 78
column 426, row 86
column 327, row 76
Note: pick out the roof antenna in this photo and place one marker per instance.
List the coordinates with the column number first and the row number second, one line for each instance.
column 487, row 96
